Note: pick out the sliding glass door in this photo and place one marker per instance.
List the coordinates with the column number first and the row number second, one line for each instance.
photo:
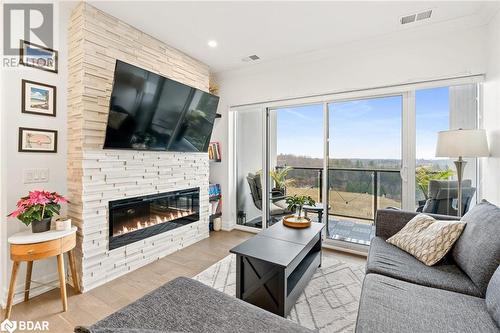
column 441, row 109
column 249, row 181
column 352, row 154
column 296, row 154
column 364, row 166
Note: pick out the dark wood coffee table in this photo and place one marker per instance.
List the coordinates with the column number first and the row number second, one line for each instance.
column 273, row 267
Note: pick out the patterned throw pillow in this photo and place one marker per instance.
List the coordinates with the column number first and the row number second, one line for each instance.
column 426, row 238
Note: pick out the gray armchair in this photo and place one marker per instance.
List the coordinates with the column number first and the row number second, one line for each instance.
column 443, row 195
column 278, row 206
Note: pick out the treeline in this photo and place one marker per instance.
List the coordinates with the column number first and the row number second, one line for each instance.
column 389, row 183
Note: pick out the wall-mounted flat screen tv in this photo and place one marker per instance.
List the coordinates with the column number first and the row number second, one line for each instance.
column 150, row 112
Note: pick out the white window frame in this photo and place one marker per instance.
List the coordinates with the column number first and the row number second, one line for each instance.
column 407, row 91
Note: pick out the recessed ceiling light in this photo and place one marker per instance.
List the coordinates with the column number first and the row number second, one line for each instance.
column 212, row 43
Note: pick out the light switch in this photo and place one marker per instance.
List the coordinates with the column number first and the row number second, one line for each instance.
column 28, row 176
column 35, row 176
column 44, row 175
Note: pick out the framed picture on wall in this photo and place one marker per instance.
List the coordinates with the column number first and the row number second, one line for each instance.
column 38, row 98
column 37, row 56
column 36, row 140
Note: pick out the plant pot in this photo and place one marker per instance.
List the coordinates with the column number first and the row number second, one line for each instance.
column 64, row 224
column 296, row 222
column 41, row 226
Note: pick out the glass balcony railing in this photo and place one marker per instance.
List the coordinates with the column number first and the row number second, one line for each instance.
column 352, row 193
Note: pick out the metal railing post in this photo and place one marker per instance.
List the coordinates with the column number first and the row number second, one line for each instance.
column 320, row 177
column 375, row 192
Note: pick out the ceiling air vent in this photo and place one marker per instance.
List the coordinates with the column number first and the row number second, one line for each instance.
column 424, row 15
column 412, row 18
column 408, row 19
column 253, row 57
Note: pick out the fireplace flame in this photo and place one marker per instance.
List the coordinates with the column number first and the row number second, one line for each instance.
column 153, row 220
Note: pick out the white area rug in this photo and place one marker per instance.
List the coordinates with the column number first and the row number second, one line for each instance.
column 328, row 304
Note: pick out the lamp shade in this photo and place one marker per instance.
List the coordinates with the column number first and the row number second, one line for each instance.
column 462, row 143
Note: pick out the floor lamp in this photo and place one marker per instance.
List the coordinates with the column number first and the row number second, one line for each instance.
column 459, row 144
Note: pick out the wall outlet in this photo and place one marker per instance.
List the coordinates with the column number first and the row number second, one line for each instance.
column 35, row 176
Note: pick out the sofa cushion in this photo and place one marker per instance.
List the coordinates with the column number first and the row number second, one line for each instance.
column 493, row 297
column 477, row 251
column 389, row 305
column 386, row 259
column 186, row 305
column 426, row 238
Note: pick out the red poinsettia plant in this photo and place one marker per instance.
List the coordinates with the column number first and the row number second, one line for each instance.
column 37, row 206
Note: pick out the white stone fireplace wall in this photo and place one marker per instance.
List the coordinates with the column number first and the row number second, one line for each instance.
column 97, row 176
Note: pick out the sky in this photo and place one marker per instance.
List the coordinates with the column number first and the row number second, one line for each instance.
column 369, row 128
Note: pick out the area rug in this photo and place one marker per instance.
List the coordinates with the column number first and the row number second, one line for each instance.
column 329, row 303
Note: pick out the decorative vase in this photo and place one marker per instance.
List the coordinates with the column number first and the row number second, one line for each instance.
column 299, row 213
column 64, row 224
column 217, row 224
column 41, row 226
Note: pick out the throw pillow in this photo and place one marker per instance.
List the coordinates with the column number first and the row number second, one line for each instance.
column 426, row 238
column 477, row 252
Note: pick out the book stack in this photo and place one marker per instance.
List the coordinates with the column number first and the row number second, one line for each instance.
column 215, row 198
column 214, row 191
column 214, row 151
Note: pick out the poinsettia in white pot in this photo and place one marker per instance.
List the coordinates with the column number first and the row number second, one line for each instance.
column 38, row 208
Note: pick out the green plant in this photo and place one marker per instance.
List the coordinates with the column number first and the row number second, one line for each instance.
column 297, row 202
column 425, row 174
column 37, row 206
column 279, row 176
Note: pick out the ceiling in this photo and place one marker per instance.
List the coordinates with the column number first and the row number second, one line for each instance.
column 274, row 30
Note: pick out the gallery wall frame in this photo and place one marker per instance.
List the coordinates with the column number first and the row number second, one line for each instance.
column 37, row 140
column 38, row 98
column 38, row 56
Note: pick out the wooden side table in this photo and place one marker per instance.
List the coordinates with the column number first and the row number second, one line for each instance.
column 27, row 246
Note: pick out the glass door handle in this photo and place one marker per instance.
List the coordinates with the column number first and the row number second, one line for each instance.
column 403, row 172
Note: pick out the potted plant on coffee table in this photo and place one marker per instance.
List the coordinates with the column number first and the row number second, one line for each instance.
column 296, row 203
column 37, row 209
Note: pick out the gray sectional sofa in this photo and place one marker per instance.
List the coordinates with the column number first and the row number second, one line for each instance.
column 186, row 305
column 459, row 294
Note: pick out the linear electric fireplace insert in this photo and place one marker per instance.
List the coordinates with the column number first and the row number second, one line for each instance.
column 131, row 220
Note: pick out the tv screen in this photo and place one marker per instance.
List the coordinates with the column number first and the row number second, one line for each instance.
column 151, row 112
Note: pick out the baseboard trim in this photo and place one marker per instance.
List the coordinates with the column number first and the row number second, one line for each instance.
column 357, row 249
column 247, row 229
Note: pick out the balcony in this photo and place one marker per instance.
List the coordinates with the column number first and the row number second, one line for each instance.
column 354, row 195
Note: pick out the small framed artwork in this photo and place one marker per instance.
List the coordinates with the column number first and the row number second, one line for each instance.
column 37, row 140
column 38, row 98
column 37, row 56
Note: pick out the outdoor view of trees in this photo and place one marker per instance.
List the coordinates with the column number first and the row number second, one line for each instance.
column 351, row 181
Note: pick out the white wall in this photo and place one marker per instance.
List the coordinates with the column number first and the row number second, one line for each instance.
column 491, row 118
column 438, row 51
column 13, row 162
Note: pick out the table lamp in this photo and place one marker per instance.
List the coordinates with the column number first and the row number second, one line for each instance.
column 462, row 143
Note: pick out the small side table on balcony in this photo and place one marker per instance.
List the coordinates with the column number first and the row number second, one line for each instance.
column 317, row 209
column 28, row 246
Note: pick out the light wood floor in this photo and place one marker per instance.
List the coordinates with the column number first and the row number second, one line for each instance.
column 86, row 309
